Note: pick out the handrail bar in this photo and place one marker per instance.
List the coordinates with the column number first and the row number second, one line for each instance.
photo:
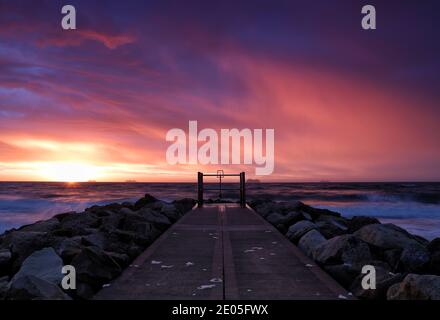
column 223, row 175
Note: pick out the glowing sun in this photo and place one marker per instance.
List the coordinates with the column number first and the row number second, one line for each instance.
column 69, row 172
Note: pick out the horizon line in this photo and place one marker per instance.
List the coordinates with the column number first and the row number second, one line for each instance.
column 275, row 181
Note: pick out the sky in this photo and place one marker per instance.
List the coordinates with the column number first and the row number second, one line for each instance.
column 96, row 103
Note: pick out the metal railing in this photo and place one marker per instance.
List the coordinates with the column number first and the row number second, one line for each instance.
column 220, row 175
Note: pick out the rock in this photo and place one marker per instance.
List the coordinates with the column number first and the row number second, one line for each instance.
column 140, row 225
column 310, row 241
column 386, row 236
column 134, row 250
column 392, row 257
column 122, row 238
column 120, row 241
column 434, row 264
column 98, row 211
column 33, row 288
column 5, row 261
column 267, row 208
column 42, row 226
column 357, row 222
column 80, row 221
column 434, row 245
column 158, row 220
column 290, row 206
column 297, row 230
column 97, row 239
column 342, row 273
column 61, row 216
column 44, row 264
column 170, row 211
column 306, row 216
column 147, row 231
column 4, row 287
column 384, row 280
column 343, row 249
column 414, row 258
column 421, row 240
column 147, row 199
column 128, row 205
column 69, row 248
column 184, row 205
column 24, row 243
column 69, row 232
column 113, row 220
column 416, row 287
column 95, row 267
column 331, row 226
column 84, row 291
column 315, row 213
column 121, row 259
column 283, row 221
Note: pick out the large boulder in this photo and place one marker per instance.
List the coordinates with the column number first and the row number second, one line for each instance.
column 416, row 287
column 297, row 230
column 170, row 211
column 98, row 211
column 78, row 221
column 42, row 226
column 44, row 264
column 384, row 280
column 96, row 239
column 434, row 245
column 386, row 236
column 4, row 287
column 434, row 249
column 357, row 222
column 414, row 258
column 95, row 267
column 121, row 259
column 69, row 248
column 159, row 220
column 281, row 221
column 5, row 261
column 112, row 220
column 184, row 205
column 331, row 226
column 315, row 213
column 24, row 243
column 267, row 208
column 140, row 225
column 392, row 257
column 310, row 241
column 434, row 263
column 146, row 200
column 343, row 249
column 344, row 274
column 32, row 288
column 84, row 291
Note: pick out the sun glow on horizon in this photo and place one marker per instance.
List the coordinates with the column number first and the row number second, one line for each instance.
column 69, row 172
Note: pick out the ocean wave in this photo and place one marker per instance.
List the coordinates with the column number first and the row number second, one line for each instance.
column 392, row 200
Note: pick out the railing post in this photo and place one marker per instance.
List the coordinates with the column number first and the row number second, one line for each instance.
column 242, row 189
column 200, row 188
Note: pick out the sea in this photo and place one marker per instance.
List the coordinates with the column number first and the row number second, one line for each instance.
column 414, row 206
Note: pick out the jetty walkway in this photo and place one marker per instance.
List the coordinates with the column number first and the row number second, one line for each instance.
column 222, row 251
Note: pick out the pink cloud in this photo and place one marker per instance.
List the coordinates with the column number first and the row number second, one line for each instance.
column 78, row 37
